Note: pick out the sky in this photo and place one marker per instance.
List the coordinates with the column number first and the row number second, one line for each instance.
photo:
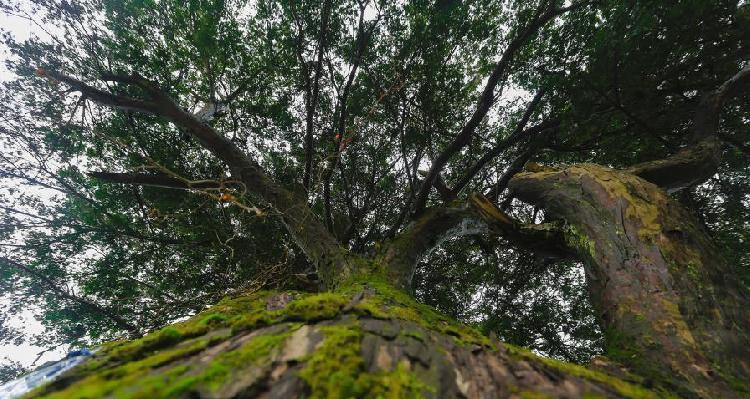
column 25, row 354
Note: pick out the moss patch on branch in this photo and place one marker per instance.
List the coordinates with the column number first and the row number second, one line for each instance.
column 336, row 370
column 623, row 388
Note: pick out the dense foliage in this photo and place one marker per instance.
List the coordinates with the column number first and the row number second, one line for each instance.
column 349, row 101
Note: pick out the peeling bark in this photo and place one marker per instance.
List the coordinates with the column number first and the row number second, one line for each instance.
column 671, row 306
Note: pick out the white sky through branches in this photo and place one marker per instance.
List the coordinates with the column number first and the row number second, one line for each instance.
column 26, row 354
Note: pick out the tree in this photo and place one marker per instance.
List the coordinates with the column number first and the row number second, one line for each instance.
column 10, row 370
column 209, row 148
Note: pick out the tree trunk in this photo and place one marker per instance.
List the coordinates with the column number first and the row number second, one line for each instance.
column 671, row 307
column 367, row 340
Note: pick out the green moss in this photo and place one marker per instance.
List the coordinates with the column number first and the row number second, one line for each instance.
column 241, row 304
column 692, row 269
column 393, row 303
column 413, row 334
column 214, row 319
column 532, row 395
column 576, row 239
column 336, row 370
column 332, row 371
column 229, row 364
column 372, row 308
column 401, row 383
column 224, row 313
column 620, row 347
column 623, row 388
column 251, row 321
column 591, row 395
column 140, row 379
column 139, row 348
column 152, row 366
column 316, row 307
column 122, row 381
column 624, row 349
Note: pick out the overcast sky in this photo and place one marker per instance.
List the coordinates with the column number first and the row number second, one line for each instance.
column 26, row 354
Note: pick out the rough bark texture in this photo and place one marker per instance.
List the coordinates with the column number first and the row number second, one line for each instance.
column 670, row 304
column 368, row 341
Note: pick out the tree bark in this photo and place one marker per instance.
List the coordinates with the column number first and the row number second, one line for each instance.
column 367, row 340
column 671, row 306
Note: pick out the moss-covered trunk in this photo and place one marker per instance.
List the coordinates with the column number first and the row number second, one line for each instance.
column 671, row 306
column 367, row 340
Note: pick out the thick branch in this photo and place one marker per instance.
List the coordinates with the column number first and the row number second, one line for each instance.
column 477, row 216
column 403, row 253
column 103, row 97
column 545, row 239
column 320, row 247
column 690, row 166
column 695, row 164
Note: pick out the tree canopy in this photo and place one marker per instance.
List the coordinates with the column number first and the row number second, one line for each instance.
column 117, row 218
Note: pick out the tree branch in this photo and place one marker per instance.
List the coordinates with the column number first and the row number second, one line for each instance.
column 690, row 166
column 698, row 162
column 706, row 119
column 313, row 101
column 62, row 293
column 160, row 180
column 477, row 216
column 321, row 248
column 511, row 140
column 362, row 38
column 100, row 96
column 487, row 98
column 446, row 194
column 515, row 167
